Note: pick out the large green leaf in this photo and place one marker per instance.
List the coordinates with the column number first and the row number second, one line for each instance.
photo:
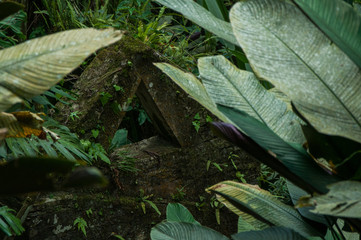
column 202, row 17
column 294, row 157
column 178, row 213
column 184, row 231
column 227, row 85
column 30, row 68
column 263, row 204
column 192, row 86
column 286, row 49
column 343, row 200
column 272, row 233
column 340, row 21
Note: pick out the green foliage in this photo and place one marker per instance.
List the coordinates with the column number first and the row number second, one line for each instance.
column 8, row 8
column 24, row 75
column 143, row 199
column 279, row 49
column 9, row 223
column 343, row 17
column 95, row 151
column 11, row 29
column 179, row 195
column 105, row 97
column 176, row 212
column 18, row 81
column 126, row 162
column 274, row 183
column 185, row 231
column 81, row 224
column 60, row 142
column 343, row 200
column 196, row 123
column 120, row 138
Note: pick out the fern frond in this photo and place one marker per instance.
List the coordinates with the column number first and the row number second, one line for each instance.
column 9, row 223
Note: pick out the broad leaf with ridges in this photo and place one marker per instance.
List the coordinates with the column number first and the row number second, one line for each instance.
column 285, row 48
column 202, row 17
column 32, row 67
column 263, row 204
column 184, row 231
column 340, row 21
column 189, row 83
column 230, row 86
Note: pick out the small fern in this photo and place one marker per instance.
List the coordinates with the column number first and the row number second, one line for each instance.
column 9, row 223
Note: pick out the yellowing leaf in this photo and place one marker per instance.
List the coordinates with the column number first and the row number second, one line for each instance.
column 22, row 124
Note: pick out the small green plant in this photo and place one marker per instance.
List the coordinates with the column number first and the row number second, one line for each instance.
column 95, row 150
column 218, row 166
column 74, row 115
column 95, row 133
column 89, row 212
column 145, row 199
column 196, row 122
column 120, row 138
column 81, row 224
column 217, row 206
column 126, row 162
column 118, row 88
column 274, row 183
column 105, row 97
column 179, row 195
column 209, row 119
column 11, row 29
column 201, row 202
column 239, row 175
column 9, row 223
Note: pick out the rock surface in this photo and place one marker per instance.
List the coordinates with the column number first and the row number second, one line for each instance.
column 129, row 65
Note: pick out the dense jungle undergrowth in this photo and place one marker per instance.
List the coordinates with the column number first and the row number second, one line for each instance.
column 279, row 79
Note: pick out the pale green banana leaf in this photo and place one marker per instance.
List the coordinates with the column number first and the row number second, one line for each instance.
column 288, row 50
column 263, row 204
column 30, row 68
column 199, row 15
column 189, row 83
column 229, row 86
column 340, row 21
column 184, row 231
column 343, row 200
